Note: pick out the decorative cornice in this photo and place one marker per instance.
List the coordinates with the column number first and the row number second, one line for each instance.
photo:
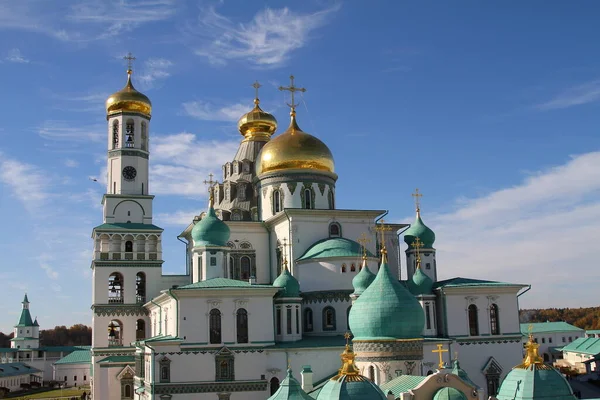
column 129, row 152
column 109, row 310
column 210, row 387
column 468, row 342
column 127, row 264
column 328, row 296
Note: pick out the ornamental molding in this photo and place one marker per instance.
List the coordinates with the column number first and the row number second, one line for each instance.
column 326, row 296
column 492, row 298
column 322, row 188
column 211, row 387
column 388, row 350
column 119, row 310
column 105, row 353
column 240, row 303
column 119, row 152
column 206, row 351
column 214, row 303
column 471, row 299
column 285, row 177
column 475, row 342
column 292, row 186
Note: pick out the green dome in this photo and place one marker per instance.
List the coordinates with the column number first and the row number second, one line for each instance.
column 449, row 393
column 347, row 388
column 419, row 230
column 420, row 283
column 210, row 230
column 290, row 389
column 386, row 310
column 363, row 279
column 289, row 284
column 334, row 247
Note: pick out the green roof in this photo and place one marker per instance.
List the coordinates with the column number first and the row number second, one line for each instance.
column 76, row 357
column 349, row 388
column 288, row 284
column 333, row 247
column 16, row 369
column 449, row 393
column 58, row 349
column 128, row 227
column 362, row 280
column 402, row 384
column 584, row 345
column 467, row 282
column 548, row 327
column 290, row 389
column 462, row 374
column 118, row 359
column 420, row 283
column 25, row 319
column 593, row 331
column 17, row 339
column 535, row 383
column 210, row 230
column 418, row 229
column 223, row 283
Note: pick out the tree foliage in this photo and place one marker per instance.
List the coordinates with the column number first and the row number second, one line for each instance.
column 585, row 318
column 77, row 335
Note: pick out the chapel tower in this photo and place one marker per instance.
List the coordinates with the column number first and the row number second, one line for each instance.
column 418, row 229
column 27, row 331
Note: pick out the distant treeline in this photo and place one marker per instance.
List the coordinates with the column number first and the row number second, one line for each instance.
column 77, row 335
column 585, row 318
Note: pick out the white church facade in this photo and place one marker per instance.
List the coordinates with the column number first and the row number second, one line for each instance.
column 274, row 278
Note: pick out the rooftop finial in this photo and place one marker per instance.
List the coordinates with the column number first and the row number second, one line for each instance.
column 440, row 351
column 348, row 368
column 256, row 86
column 292, row 89
column 210, row 183
column 382, row 228
column 417, row 197
column 417, row 244
column 285, row 261
column 363, row 240
column 130, row 58
column 532, row 356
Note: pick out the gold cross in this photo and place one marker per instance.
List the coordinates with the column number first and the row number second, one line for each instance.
column 382, row 228
column 256, row 85
column 363, row 240
column 292, row 89
column 440, row 350
column 210, row 183
column 417, row 197
column 347, row 337
column 285, row 245
column 130, row 58
column 417, row 244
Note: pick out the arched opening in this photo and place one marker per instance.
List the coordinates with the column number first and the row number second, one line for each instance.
column 140, row 329
column 308, row 320
column 372, row 373
column 129, row 134
column 353, row 268
column 308, row 199
column 115, row 288
column 274, row 385
column 276, row 201
column 430, row 372
column 128, row 392
column 329, row 322
column 546, row 357
column 335, row 230
column 242, row 325
column 115, row 133
column 473, row 321
column 115, row 333
column 245, row 268
column 144, row 136
column 215, row 326
column 140, row 288
column 343, row 268
column 128, row 246
column 494, row 320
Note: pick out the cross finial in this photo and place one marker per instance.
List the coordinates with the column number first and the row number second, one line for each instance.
column 285, row 245
column 256, row 86
column 292, row 89
column 210, row 183
column 417, row 244
column 440, row 350
column 347, row 337
column 363, row 240
column 382, row 228
column 130, row 58
column 417, row 197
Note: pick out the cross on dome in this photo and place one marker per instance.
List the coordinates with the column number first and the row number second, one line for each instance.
column 256, row 86
column 210, row 183
column 363, row 240
column 292, row 89
column 440, row 350
column 417, row 244
column 382, row 228
column 417, row 196
column 130, row 59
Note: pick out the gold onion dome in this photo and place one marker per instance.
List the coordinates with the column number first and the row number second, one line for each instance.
column 295, row 150
column 257, row 124
column 128, row 99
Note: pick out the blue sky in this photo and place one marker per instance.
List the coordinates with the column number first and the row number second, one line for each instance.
column 491, row 109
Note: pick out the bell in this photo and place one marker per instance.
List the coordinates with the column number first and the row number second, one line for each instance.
column 111, row 330
column 129, row 138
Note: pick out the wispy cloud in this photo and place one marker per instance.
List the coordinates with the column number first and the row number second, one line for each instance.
column 15, row 56
column 71, row 163
column 266, row 41
column 153, row 70
column 210, row 112
column 179, row 218
column 62, row 130
column 27, row 182
column 588, row 92
column 44, row 260
column 542, row 227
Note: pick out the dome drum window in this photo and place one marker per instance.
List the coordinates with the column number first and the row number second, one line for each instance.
column 329, row 322
column 335, row 230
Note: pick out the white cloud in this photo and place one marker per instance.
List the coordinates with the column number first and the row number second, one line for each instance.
column 209, row 112
column 154, row 69
column 71, row 163
column 15, row 56
column 28, row 184
column 267, row 40
column 181, row 218
column 542, row 231
column 588, row 92
column 63, row 130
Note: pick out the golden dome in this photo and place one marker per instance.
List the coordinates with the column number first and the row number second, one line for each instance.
column 295, row 150
column 257, row 124
column 128, row 100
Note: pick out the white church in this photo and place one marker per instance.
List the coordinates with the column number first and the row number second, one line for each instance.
column 275, row 276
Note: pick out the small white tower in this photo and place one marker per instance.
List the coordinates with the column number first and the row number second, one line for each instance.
column 288, row 324
column 418, row 229
column 27, row 331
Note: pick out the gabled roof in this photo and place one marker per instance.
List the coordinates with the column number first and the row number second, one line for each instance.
column 128, row 227
column 223, row 283
column 25, row 319
column 468, row 282
column 584, row 345
column 77, row 357
column 15, row 369
column 547, row 327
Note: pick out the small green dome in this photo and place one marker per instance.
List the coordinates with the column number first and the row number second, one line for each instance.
column 386, row 310
column 449, row 393
column 210, row 230
column 363, row 279
column 333, row 247
column 290, row 389
column 420, row 283
column 347, row 388
column 419, row 230
column 289, row 285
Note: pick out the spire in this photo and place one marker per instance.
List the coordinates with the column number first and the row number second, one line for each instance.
column 348, row 369
column 25, row 299
column 532, row 357
column 25, row 318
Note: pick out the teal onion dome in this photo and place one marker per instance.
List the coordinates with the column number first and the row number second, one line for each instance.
column 210, row 230
column 419, row 230
column 420, row 283
column 290, row 389
column 289, row 285
column 363, row 279
column 449, row 393
column 386, row 310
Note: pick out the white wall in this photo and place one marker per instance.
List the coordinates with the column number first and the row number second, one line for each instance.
column 77, row 374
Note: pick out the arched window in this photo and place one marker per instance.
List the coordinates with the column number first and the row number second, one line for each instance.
column 430, row 372
column 115, row 288
column 129, row 136
column 128, row 392
column 140, row 288
column 115, row 333
column 308, row 320
column 144, row 136
column 276, row 201
column 353, row 268
column 245, row 268
column 128, row 246
column 494, row 321
column 308, row 199
column 372, row 374
column 236, row 215
column 242, row 325
column 343, row 268
column 473, row 321
column 140, row 329
column 215, row 326
column 231, row 267
column 115, row 133
column 274, row 384
column 335, row 230
column 329, row 319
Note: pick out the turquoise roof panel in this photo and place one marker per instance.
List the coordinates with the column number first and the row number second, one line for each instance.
column 589, row 346
column 25, row 319
column 223, row 283
column 535, row 383
column 402, row 384
column 362, row 280
column 449, row 393
column 333, row 247
column 117, row 359
column 418, row 229
column 77, row 357
column 128, row 227
column 16, row 369
column 468, row 282
column 548, row 327
column 344, row 388
column 593, row 331
column 290, row 389
column 420, row 283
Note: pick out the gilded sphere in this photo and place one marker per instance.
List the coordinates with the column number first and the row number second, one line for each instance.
column 295, row 150
column 128, row 100
column 257, row 123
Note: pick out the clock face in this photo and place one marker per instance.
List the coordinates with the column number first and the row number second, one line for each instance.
column 129, row 173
